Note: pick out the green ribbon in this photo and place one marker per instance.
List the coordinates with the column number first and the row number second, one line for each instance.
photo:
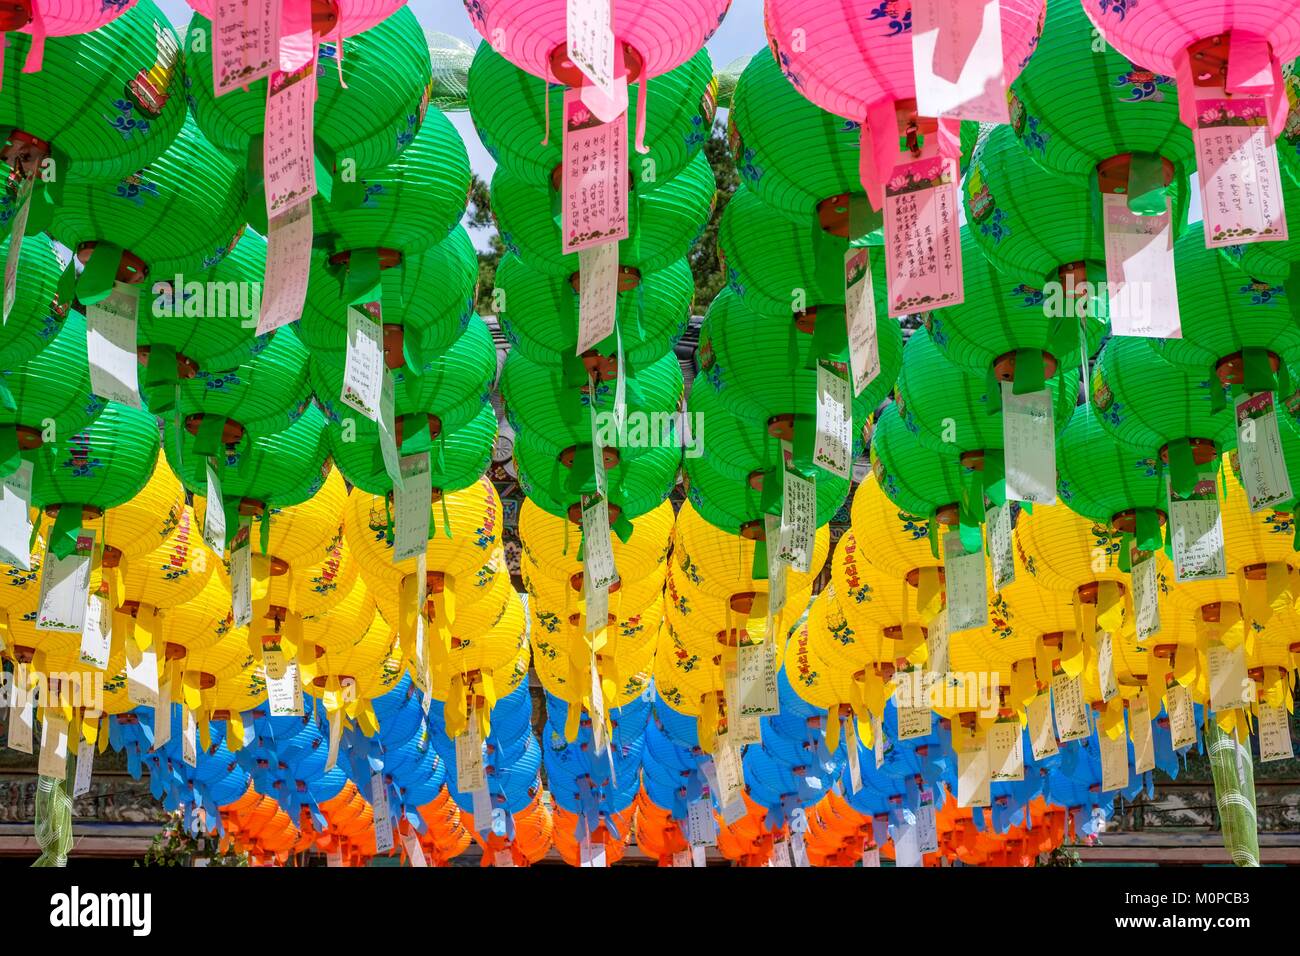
column 255, row 186
column 415, row 433
column 1146, row 184
column 573, row 371
column 96, row 280
column 1182, row 466
column 160, row 378
column 992, row 392
column 230, row 507
column 758, row 570
column 1126, row 552
column 1029, row 372
column 265, row 528
column 1148, row 533
column 995, row 476
column 62, row 540
column 829, row 338
column 583, row 470
column 933, row 533
column 10, row 456
column 413, row 350
column 970, row 506
column 361, row 278
column 1257, row 371
column 208, row 443
column 623, row 528
column 324, row 161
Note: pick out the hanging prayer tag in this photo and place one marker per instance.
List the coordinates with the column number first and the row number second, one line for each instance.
column 922, row 238
column 1141, row 293
column 594, row 188
column 1196, row 529
column 957, row 60
column 1259, row 452
column 1029, row 440
column 860, row 315
column 1236, row 163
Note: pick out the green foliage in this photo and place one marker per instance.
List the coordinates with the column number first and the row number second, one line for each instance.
column 1060, row 856
column 705, row 266
column 479, row 218
column 175, row 846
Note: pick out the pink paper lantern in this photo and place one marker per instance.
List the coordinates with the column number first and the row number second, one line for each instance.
column 656, row 35
column 332, row 18
column 1183, row 38
column 854, row 58
column 55, row 18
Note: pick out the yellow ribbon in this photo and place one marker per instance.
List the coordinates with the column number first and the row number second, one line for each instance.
column 1072, row 647
column 1261, row 599
column 929, row 595
column 707, row 722
column 1110, row 607
column 1024, row 685
column 1111, row 720
column 115, row 582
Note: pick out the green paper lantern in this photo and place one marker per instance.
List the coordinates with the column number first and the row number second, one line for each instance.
column 108, row 102
column 387, row 71
column 762, row 368
column 636, row 485
column 539, row 314
column 36, row 316
column 52, row 389
column 1074, row 105
column 1146, row 403
column 1030, row 223
column 1223, row 311
column 408, row 205
column 178, row 215
column 452, row 385
column 788, row 152
column 663, row 224
column 457, row 458
column 430, row 295
column 1002, row 315
column 276, row 470
column 509, row 107
column 779, row 267
column 557, row 416
column 915, row 478
column 264, row 393
column 1103, row 480
column 948, row 408
column 213, row 321
column 101, row 465
column 738, row 448
column 791, row 153
column 729, row 505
